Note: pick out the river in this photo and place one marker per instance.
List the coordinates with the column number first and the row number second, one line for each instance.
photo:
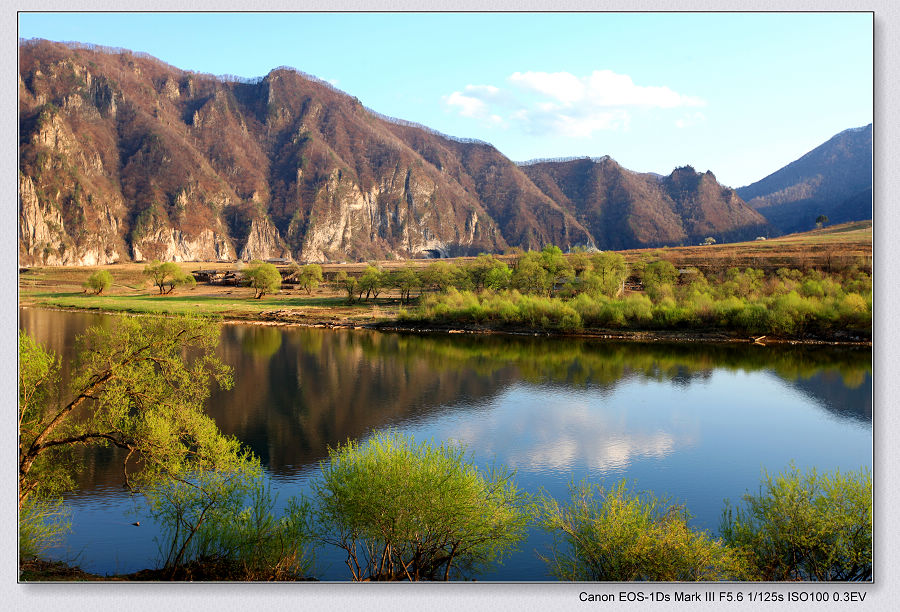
column 696, row 422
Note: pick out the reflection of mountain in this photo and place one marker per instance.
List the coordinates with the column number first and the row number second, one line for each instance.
column 322, row 387
column 298, row 390
column 834, row 394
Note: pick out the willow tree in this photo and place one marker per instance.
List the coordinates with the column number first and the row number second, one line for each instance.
column 139, row 385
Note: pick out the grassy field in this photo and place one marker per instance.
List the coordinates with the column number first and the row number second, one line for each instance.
column 61, row 287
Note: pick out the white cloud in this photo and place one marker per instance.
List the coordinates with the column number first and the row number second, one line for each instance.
column 562, row 86
column 468, row 106
column 564, row 103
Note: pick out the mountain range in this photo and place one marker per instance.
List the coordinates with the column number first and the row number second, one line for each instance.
column 834, row 180
column 123, row 157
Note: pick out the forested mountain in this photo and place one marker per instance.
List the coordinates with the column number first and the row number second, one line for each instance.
column 834, row 179
column 124, row 157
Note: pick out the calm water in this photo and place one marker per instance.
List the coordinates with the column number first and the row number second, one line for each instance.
column 698, row 423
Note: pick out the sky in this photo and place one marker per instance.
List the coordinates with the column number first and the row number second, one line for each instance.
column 740, row 94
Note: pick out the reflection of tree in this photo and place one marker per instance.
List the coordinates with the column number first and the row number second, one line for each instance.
column 326, row 386
column 261, row 341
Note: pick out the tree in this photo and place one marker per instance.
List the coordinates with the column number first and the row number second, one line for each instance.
column 821, row 220
column 530, row 276
column 406, row 280
column 658, row 278
column 610, row 270
column 99, row 281
column 139, row 385
column 167, row 274
column 438, row 276
column 371, row 281
column 227, row 517
column 264, row 278
column 612, row 534
column 709, row 240
column 408, row 511
column 480, row 269
column 806, row 526
column 310, row 277
column 348, row 283
column 557, row 266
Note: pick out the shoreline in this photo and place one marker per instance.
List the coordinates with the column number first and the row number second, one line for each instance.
column 281, row 317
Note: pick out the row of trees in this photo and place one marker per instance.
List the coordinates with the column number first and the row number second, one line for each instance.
column 400, row 510
column 545, row 273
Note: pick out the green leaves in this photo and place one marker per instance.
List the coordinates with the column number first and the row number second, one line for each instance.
column 612, row 534
column 227, row 515
column 99, row 281
column 167, row 274
column 143, row 382
column 408, row 511
column 264, row 278
column 806, row 526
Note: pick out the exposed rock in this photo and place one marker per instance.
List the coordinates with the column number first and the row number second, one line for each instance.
column 127, row 157
column 170, row 244
column 263, row 242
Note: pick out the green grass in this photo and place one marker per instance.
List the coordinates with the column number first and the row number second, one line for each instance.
column 184, row 304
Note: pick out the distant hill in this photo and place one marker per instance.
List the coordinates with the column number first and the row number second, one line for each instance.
column 834, row 179
column 622, row 208
column 123, row 157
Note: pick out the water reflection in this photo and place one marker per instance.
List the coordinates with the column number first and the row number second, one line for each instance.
column 695, row 422
column 298, row 391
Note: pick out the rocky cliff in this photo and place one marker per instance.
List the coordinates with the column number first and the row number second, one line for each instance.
column 123, row 157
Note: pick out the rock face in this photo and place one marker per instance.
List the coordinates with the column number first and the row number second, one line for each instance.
column 124, row 157
column 834, row 179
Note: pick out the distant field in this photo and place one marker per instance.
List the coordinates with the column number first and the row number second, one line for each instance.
column 829, row 248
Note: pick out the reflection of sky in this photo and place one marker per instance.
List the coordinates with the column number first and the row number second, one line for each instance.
column 711, row 437
column 698, row 443
column 545, row 430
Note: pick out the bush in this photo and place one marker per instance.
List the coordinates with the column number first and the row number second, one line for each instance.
column 42, row 524
column 227, row 517
column 806, row 526
column 615, row 535
column 407, row 511
column 99, row 281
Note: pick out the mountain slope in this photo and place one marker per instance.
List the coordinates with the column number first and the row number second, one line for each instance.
column 622, row 208
column 125, row 157
column 834, row 179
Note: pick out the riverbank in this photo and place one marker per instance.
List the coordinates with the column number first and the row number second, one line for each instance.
column 42, row 570
column 287, row 317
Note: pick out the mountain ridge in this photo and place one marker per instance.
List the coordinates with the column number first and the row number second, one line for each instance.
column 833, row 179
column 123, row 157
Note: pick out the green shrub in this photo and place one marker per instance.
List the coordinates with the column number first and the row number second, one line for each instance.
column 612, row 534
column 227, row 516
column 408, row 511
column 42, row 524
column 806, row 526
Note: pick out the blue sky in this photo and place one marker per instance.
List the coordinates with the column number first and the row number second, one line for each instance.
column 738, row 94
